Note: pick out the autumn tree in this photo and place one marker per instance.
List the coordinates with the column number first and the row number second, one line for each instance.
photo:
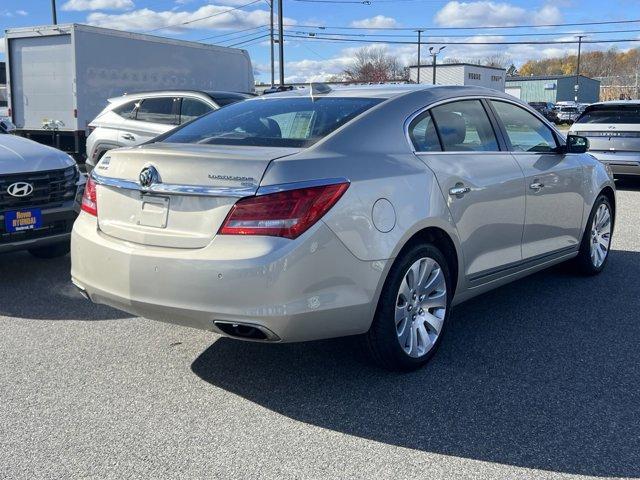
column 374, row 65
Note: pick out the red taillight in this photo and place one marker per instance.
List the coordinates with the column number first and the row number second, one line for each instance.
column 285, row 214
column 89, row 199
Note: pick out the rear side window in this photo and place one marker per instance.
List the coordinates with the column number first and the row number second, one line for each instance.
column 126, row 109
column 526, row 132
column 464, row 126
column 270, row 122
column 423, row 134
column 611, row 114
column 157, row 110
column 228, row 99
column 192, row 108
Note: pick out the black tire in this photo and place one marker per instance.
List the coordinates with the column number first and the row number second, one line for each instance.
column 381, row 341
column 583, row 262
column 51, row 251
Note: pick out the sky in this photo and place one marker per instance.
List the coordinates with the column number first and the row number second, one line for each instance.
column 244, row 23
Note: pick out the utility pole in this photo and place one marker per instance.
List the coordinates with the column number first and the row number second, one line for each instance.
column 53, row 12
column 576, row 87
column 419, row 45
column 281, row 42
column 273, row 67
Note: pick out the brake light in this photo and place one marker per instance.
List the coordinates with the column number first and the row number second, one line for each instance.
column 89, row 198
column 285, row 214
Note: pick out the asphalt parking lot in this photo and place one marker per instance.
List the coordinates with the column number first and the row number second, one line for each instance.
column 538, row 379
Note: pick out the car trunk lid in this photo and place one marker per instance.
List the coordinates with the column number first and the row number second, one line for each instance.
column 195, row 187
column 620, row 137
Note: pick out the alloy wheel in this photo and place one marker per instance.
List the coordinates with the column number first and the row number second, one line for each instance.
column 421, row 306
column 600, row 235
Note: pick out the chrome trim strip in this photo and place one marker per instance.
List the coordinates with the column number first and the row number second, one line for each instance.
column 283, row 187
column 175, row 189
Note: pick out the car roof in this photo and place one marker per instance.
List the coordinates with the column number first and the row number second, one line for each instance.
column 161, row 93
column 390, row 91
column 616, row 103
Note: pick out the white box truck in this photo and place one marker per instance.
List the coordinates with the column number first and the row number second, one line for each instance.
column 59, row 77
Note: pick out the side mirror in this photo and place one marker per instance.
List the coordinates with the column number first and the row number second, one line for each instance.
column 577, row 144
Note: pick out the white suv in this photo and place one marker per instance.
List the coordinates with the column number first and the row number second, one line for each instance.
column 136, row 118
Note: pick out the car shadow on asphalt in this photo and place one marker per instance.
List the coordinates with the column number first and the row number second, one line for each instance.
column 40, row 289
column 542, row 373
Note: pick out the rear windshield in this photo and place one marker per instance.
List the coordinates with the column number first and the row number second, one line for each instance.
column 272, row 122
column 228, row 99
column 611, row 114
column 568, row 109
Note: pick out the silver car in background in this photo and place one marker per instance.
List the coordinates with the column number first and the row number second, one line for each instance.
column 320, row 213
column 136, row 118
column 613, row 130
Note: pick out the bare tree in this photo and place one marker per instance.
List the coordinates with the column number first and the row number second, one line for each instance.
column 374, row 65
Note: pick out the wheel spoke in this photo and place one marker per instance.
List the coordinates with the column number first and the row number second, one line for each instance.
column 435, row 283
column 434, row 322
column 424, row 339
column 436, row 300
column 405, row 334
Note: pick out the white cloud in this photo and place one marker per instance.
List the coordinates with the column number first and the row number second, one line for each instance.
column 206, row 17
column 82, row 5
column 379, row 21
column 470, row 14
column 22, row 13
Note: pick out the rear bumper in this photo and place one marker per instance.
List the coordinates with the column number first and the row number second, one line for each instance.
column 56, row 228
column 306, row 289
column 621, row 163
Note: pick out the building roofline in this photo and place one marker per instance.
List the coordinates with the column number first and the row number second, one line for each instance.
column 524, row 78
column 461, row 64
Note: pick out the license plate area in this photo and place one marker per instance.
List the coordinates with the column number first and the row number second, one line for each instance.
column 154, row 211
column 22, row 220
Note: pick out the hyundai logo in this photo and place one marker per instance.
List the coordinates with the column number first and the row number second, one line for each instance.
column 20, row 189
column 148, row 176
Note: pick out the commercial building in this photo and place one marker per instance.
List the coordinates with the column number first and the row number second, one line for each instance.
column 460, row 74
column 553, row 88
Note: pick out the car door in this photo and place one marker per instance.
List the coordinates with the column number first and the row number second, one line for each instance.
column 153, row 116
column 481, row 181
column 553, row 182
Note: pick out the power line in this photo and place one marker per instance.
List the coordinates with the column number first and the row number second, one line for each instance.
column 399, row 42
column 453, row 35
column 231, row 33
column 479, row 27
column 245, row 35
column 266, row 35
column 203, row 18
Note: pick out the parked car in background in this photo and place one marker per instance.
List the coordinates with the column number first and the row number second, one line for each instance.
column 360, row 210
column 613, row 130
column 60, row 76
column 546, row 109
column 134, row 119
column 40, row 193
column 567, row 113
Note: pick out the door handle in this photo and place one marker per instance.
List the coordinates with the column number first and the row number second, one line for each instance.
column 459, row 190
column 128, row 136
column 537, row 186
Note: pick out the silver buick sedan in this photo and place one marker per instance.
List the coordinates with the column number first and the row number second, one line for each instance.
column 325, row 212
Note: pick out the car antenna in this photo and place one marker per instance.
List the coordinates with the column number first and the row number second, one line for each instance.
column 316, row 88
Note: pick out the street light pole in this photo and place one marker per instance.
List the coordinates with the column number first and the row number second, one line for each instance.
column 434, row 55
column 273, row 67
column 281, row 42
column 576, row 87
column 53, row 12
column 419, row 48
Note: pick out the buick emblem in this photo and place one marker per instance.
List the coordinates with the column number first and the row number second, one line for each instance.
column 20, row 189
column 148, row 176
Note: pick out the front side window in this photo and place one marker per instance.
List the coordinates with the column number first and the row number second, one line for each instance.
column 156, row 110
column 192, row 108
column 526, row 132
column 464, row 126
column 272, row 122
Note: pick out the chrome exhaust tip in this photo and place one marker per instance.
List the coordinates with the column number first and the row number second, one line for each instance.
column 246, row 331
